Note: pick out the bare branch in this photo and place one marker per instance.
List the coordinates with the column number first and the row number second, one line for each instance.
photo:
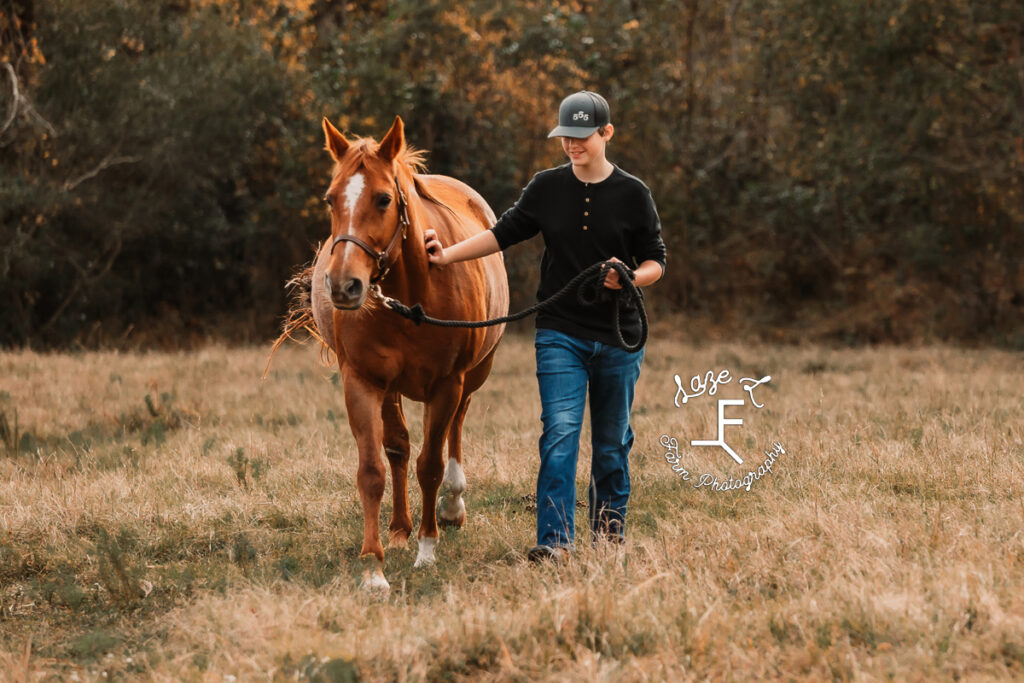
column 21, row 103
column 15, row 98
column 107, row 162
column 950, row 166
column 85, row 280
column 825, row 250
column 31, row 111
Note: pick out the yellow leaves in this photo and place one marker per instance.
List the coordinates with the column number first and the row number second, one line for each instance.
column 38, row 57
column 631, row 25
column 134, row 45
column 299, row 6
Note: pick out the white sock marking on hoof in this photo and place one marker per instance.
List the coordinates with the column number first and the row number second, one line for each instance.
column 453, row 509
column 454, row 477
column 425, row 554
column 375, row 582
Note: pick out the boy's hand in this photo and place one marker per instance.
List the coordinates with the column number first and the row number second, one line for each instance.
column 435, row 251
column 611, row 276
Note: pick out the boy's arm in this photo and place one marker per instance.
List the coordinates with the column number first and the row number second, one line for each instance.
column 480, row 244
column 648, row 272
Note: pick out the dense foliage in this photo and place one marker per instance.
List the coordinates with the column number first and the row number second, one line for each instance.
column 849, row 168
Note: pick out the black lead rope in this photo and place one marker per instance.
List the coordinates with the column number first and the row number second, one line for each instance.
column 589, row 287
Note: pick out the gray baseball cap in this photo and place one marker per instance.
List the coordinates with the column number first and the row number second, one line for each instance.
column 580, row 114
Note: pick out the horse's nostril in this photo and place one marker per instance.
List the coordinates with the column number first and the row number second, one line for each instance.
column 353, row 288
column 327, row 283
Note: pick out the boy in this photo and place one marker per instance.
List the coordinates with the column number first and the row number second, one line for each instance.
column 587, row 210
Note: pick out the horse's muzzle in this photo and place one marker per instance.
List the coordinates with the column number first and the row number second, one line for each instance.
column 350, row 295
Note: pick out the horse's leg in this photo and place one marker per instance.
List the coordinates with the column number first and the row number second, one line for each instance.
column 437, row 418
column 364, row 403
column 452, row 510
column 396, row 447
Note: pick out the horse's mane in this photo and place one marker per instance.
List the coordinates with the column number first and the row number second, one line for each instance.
column 410, row 158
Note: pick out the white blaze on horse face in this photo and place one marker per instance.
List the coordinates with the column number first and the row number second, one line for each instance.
column 353, row 191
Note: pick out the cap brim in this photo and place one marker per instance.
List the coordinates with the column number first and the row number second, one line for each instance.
column 572, row 132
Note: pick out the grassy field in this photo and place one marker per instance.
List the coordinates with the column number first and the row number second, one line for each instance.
column 170, row 516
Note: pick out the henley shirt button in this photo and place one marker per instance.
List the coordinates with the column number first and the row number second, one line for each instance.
column 586, row 213
column 587, row 200
column 584, row 227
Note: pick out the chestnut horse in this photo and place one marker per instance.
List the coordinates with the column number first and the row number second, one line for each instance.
column 380, row 204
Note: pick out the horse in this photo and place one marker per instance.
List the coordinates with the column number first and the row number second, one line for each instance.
column 380, row 202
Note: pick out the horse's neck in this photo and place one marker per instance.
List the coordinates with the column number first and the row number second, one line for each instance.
column 408, row 277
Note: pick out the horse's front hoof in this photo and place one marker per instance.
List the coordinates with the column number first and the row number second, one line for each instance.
column 374, row 582
column 425, row 554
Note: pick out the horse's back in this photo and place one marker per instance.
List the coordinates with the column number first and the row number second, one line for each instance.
column 457, row 195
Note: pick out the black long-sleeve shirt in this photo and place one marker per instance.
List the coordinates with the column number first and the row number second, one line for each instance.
column 583, row 223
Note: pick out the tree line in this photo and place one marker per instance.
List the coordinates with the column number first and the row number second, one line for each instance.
column 846, row 169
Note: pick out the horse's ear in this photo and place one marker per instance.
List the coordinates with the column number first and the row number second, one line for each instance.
column 337, row 145
column 394, row 142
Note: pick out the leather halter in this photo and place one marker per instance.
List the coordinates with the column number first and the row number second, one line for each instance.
column 382, row 257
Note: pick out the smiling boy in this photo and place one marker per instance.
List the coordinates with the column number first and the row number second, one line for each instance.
column 587, row 211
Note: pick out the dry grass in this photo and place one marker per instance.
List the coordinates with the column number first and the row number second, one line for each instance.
column 212, row 530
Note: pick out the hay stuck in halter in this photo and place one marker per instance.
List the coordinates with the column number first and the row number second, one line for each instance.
column 300, row 314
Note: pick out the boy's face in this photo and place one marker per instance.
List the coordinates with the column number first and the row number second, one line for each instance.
column 584, row 151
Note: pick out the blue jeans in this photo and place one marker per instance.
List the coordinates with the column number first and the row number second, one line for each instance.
column 567, row 367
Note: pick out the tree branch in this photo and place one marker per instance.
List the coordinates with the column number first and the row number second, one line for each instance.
column 107, row 162
column 15, row 98
column 84, row 281
column 29, row 109
column 22, row 103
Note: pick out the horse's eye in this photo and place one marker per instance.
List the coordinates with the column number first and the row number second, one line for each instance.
column 383, row 202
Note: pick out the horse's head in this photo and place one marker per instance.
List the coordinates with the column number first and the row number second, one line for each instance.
column 368, row 211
